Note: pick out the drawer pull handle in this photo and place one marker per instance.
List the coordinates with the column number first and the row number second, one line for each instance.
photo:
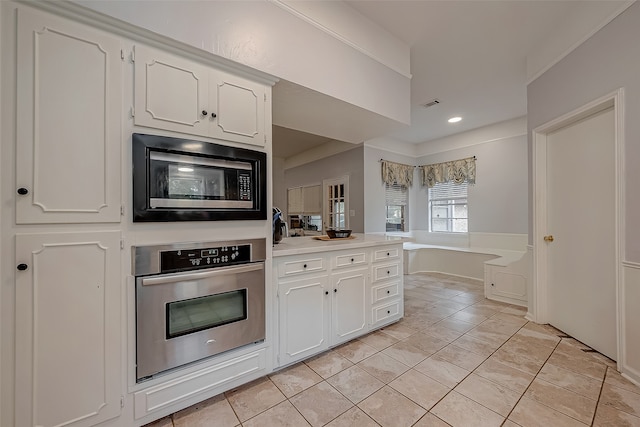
column 351, row 259
column 388, row 311
column 22, row 267
column 388, row 254
column 22, row 191
column 388, row 292
column 388, row 272
column 304, row 266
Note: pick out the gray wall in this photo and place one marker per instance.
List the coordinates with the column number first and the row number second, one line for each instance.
column 609, row 60
column 374, row 203
column 279, row 191
column 347, row 163
column 498, row 201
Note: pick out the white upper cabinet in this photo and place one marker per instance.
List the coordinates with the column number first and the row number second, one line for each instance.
column 170, row 92
column 177, row 94
column 68, row 122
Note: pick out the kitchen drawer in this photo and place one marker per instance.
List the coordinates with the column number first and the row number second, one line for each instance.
column 385, row 313
column 299, row 266
column 350, row 259
column 384, row 292
column 386, row 271
column 386, row 253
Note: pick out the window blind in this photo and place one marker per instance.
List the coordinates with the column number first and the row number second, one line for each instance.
column 396, row 195
column 448, row 190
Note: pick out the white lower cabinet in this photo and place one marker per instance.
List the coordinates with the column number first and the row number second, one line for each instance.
column 349, row 305
column 387, row 305
column 68, row 332
column 326, row 299
column 303, row 317
column 506, row 283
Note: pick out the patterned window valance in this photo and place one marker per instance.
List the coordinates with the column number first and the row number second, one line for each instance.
column 397, row 173
column 456, row 171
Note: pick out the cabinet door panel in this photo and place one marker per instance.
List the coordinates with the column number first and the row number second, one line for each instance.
column 349, row 305
column 170, row 92
column 68, row 122
column 68, row 313
column 240, row 106
column 304, row 320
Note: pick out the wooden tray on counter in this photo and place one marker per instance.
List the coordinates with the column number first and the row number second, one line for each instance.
column 327, row 238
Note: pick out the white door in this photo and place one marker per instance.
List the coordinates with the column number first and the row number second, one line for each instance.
column 581, row 271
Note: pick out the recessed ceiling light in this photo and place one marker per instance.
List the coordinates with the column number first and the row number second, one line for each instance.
column 454, row 119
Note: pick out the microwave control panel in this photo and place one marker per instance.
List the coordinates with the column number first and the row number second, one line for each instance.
column 244, row 186
column 197, row 258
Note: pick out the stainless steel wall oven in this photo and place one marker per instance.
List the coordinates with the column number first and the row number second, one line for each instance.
column 195, row 300
column 186, row 180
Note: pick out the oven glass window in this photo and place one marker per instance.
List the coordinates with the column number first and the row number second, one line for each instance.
column 193, row 315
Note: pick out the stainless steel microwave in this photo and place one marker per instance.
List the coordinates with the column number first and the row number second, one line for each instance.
column 186, row 180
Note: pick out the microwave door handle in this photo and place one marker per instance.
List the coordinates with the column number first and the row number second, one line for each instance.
column 222, row 271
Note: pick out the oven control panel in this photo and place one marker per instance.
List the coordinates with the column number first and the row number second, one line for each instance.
column 193, row 259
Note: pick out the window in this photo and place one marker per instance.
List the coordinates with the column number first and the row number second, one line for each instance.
column 336, row 196
column 448, row 211
column 396, row 197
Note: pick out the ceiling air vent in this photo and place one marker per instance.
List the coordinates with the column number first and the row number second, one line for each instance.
column 431, row 103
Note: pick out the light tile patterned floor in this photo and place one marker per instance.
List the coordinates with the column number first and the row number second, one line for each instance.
column 455, row 359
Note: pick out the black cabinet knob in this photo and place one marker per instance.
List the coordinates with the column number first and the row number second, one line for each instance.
column 388, row 292
column 214, row 115
column 22, row 191
column 388, row 272
column 388, row 254
column 326, row 292
column 351, row 259
column 335, row 290
column 304, row 266
column 22, row 267
column 204, row 112
column 388, row 311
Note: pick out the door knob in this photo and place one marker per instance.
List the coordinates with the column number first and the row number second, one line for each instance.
column 548, row 238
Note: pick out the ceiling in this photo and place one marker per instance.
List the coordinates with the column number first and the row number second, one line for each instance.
column 474, row 56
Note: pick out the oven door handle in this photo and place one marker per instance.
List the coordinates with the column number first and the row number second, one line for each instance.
column 222, row 271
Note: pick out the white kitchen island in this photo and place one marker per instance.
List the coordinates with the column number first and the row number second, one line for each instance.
column 329, row 292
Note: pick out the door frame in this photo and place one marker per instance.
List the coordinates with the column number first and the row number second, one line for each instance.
column 538, row 307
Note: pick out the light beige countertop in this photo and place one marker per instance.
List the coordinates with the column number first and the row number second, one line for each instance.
column 308, row 245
